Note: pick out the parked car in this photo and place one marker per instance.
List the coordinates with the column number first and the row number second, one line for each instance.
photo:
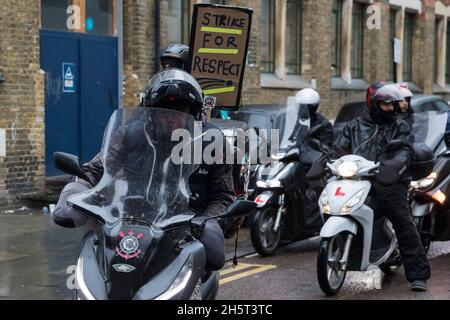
column 419, row 103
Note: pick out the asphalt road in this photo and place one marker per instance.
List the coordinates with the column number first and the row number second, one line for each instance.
column 36, row 255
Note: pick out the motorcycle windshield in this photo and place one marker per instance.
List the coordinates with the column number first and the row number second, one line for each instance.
column 429, row 128
column 293, row 123
column 146, row 172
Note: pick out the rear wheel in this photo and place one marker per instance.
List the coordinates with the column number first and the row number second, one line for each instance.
column 329, row 273
column 264, row 239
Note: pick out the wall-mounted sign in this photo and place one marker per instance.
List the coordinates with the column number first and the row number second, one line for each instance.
column 218, row 51
column 69, row 75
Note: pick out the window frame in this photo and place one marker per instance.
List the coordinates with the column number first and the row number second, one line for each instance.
column 83, row 5
column 269, row 66
column 299, row 31
column 408, row 46
column 357, row 66
column 337, row 13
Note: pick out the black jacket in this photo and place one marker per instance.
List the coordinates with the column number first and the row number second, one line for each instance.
column 212, row 185
column 367, row 138
column 325, row 132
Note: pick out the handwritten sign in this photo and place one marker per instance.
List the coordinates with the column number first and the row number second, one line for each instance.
column 219, row 45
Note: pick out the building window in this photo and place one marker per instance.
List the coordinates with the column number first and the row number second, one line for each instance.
column 95, row 17
column 447, row 58
column 336, row 39
column 407, row 47
column 293, row 36
column 268, row 36
column 99, row 17
column 179, row 19
column 54, row 14
column 357, row 40
column 392, row 15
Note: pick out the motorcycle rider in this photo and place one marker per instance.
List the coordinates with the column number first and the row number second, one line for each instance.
column 404, row 102
column 175, row 55
column 211, row 186
column 369, row 136
column 322, row 132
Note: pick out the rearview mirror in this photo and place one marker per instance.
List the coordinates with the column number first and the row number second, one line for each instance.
column 68, row 163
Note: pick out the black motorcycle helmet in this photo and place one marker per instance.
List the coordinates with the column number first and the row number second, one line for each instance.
column 175, row 55
column 377, row 93
column 174, row 89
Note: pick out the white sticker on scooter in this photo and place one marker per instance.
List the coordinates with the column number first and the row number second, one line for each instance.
column 261, row 200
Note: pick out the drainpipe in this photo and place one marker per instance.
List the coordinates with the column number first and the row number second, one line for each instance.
column 120, row 51
column 157, row 34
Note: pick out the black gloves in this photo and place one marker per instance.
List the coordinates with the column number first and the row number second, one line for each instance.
column 317, row 170
column 390, row 172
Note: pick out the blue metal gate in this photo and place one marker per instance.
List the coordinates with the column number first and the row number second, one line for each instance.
column 80, row 92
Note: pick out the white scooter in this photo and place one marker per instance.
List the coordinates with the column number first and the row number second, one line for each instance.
column 354, row 235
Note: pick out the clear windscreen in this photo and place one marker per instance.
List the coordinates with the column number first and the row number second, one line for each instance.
column 146, row 172
column 293, row 123
column 429, row 128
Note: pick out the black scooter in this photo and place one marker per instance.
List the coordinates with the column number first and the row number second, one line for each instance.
column 429, row 194
column 141, row 237
column 281, row 183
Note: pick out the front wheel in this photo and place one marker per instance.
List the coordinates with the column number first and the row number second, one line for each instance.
column 329, row 273
column 264, row 239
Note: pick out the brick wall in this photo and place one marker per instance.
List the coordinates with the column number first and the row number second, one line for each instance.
column 139, row 42
column 21, row 100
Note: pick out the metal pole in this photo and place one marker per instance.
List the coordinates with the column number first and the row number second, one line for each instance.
column 120, row 51
column 157, row 34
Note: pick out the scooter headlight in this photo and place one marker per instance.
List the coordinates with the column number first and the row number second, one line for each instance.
column 424, row 183
column 268, row 184
column 179, row 283
column 356, row 199
column 347, row 169
column 325, row 204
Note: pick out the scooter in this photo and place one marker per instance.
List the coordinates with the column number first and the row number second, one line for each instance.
column 281, row 184
column 142, row 239
column 354, row 234
column 429, row 194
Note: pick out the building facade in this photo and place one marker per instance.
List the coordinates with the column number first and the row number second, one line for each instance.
column 336, row 46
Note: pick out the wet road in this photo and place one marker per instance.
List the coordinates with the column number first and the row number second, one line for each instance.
column 35, row 256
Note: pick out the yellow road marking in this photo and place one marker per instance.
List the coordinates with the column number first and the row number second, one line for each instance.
column 220, row 90
column 240, row 266
column 259, row 269
column 222, row 30
column 223, row 51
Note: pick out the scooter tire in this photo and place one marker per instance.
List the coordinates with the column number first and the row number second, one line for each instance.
column 256, row 236
column 323, row 265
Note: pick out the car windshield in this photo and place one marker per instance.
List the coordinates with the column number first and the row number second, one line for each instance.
column 429, row 127
column 146, row 172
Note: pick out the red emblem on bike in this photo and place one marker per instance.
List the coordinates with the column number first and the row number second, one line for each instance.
column 339, row 193
column 129, row 245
